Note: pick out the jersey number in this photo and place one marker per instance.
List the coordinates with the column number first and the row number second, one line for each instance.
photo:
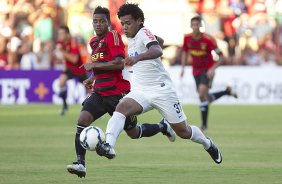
column 178, row 108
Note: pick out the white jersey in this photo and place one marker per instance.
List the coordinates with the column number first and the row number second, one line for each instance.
column 147, row 73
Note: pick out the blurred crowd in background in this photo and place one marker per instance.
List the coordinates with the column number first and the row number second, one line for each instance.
column 249, row 32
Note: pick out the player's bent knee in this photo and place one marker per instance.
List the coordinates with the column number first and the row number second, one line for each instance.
column 183, row 134
column 133, row 134
column 85, row 118
column 182, row 130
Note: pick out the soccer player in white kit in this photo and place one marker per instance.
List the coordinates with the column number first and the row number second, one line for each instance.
column 152, row 87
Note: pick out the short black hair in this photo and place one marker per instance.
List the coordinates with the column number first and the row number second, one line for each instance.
column 197, row 18
column 102, row 10
column 131, row 9
column 65, row 28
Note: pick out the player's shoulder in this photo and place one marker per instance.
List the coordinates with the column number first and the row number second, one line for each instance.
column 188, row 35
column 94, row 38
column 115, row 36
column 208, row 37
column 145, row 32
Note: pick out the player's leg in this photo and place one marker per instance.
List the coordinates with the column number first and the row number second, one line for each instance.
column 92, row 110
column 128, row 106
column 148, row 130
column 204, row 104
column 196, row 135
column 142, row 130
column 216, row 95
column 203, row 83
column 63, row 91
column 170, row 108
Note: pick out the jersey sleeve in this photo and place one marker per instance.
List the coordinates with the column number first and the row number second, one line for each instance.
column 213, row 46
column 116, row 45
column 148, row 38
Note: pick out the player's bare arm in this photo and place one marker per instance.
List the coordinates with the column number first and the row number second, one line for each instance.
column 184, row 56
column 116, row 64
column 153, row 52
column 211, row 71
column 160, row 40
column 89, row 82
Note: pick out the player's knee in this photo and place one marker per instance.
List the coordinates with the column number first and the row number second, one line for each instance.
column 133, row 133
column 202, row 97
column 133, row 136
column 85, row 119
column 183, row 132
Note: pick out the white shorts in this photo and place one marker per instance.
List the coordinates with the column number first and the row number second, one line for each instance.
column 163, row 99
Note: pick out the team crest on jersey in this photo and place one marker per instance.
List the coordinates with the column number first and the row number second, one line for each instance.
column 203, row 46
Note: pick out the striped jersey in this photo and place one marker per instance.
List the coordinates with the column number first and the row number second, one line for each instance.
column 201, row 52
column 108, row 82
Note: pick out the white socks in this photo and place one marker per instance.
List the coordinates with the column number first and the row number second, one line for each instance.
column 199, row 137
column 114, row 128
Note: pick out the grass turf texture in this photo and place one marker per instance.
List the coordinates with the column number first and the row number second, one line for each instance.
column 36, row 144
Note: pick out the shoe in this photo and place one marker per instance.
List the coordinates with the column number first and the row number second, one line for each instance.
column 104, row 149
column 214, row 152
column 77, row 168
column 63, row 111
column 231, row 92
column 204, row 128
column 168, row 131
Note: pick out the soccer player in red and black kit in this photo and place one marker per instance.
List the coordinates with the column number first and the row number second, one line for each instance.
column 67, row 50
column 200, row 46
column 108, row 88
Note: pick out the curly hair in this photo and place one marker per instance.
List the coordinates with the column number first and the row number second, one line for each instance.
column 131, row 9
column 102, row 10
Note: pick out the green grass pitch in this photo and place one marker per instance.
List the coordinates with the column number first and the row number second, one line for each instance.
column 36, row 144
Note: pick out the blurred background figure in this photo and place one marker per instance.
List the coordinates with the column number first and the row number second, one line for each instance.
column 200, row 46
column 3, row 53
column 67, row 52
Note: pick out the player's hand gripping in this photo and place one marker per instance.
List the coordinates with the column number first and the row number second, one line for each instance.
column 130, row 61
column 88, row 83
column 87, row 66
